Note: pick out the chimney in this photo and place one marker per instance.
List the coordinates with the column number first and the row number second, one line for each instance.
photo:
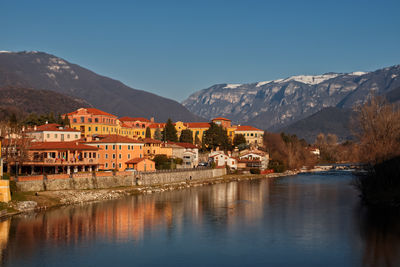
column 152, row 119
column 35, row 128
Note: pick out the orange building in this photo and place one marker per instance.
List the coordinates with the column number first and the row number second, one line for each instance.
column 60, row 157
column 115, row 150
column 141, row 164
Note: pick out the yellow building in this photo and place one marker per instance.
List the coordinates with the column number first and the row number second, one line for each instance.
column 92, row 121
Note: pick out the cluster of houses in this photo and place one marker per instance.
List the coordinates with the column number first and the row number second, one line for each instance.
column 97, row 140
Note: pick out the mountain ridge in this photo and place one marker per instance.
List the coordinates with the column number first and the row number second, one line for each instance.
column 42, row 71
column 273, row 105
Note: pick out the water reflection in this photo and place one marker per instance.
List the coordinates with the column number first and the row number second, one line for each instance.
column 303, row 221
column 380, row 231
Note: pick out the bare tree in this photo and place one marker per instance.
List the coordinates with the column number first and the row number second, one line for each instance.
column 379, row 130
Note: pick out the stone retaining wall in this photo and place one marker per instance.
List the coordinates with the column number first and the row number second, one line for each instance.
column 108, row 180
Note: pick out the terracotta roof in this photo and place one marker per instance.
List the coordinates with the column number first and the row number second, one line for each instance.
column 247, row 128
column 113, row 138
column 249, row 160
column 150, row 141
column 197, row 125
column 185, row 145
column 157, row 125
column 134, row 119
column 53, row 127
column 60, row 145
column 136, row 160
column 93, row 111
column 221, row 119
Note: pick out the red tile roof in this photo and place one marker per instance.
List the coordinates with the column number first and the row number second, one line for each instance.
column 53, row 127
column 247, row 128
column 197, row 125
column 185, row 145
column 113, row 138
column 93, row 111
column 60, row 145
column 221, row 119
column 150, row 141
column 136, row 160
column 157, row 125
column 134, row 119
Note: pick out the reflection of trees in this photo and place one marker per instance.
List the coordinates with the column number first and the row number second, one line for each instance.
column 380, row 230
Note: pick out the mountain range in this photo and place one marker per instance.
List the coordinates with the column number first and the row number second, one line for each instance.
column 278, row 104
column 42, row 71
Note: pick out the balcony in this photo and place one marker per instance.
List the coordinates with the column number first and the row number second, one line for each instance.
column 60, row 162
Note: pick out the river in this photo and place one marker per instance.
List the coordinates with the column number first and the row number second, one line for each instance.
column 303, row 220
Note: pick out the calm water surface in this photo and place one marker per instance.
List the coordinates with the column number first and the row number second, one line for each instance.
column 304, row 220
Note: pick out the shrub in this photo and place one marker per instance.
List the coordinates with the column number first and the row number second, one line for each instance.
column 255, row 171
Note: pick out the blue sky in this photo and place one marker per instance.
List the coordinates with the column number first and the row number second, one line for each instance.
column 173, row 48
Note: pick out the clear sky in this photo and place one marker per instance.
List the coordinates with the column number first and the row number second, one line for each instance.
column 173, row 48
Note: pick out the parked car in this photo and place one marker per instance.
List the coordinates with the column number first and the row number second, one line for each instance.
column 202, row 164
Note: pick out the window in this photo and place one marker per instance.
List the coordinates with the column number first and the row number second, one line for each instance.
column 129, row 147
column 255, row 135
column 82, row 119
column 106, row 147
column 74, row 120
column 106, row 165
column 68, row 136
column 120, row 156
column 106, row 156
column 120, row 147
column 113, row 147
column 90, row 120
column 96, row 129
column 140, row 155
column 251, row 134
column 96, row 120
column 98, row 146
column 76, row 136
column 55, row 135
column 90, row 129
column 94, row 155
column 48, row 135
column 113, row 165
column 113, row 156
column 85, row 155
column 129, row 156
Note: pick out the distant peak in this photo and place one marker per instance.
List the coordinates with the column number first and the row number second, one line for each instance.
column 232, row 85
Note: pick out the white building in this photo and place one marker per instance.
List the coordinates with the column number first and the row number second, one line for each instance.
column 53, row 132
column 221, row 159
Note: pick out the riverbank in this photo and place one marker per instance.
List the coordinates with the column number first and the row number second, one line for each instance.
column 43, row 200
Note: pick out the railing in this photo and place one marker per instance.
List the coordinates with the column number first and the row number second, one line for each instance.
column 62, row 161
column 178, row 170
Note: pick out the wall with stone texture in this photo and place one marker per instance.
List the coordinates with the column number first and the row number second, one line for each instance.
column 108, row 180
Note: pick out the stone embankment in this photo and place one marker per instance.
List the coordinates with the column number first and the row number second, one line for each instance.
column 46, row 199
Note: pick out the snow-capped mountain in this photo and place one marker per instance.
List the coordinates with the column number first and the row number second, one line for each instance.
column 274, row 104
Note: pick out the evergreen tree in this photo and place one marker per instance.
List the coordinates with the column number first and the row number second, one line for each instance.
column 158, row 135
column 239, row 139
column 148, row 133
column 216, row 136
column 197, row 140
column 170, row 133
column 186, row 136
column 66, row 122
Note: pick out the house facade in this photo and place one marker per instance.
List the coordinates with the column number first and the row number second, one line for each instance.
column 115, row 150
column 53, row 132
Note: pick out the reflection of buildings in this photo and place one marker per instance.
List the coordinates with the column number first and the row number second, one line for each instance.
column 133, row 218
column 4, row 230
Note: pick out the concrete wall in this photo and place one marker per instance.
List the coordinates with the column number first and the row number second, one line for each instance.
column 108, row 180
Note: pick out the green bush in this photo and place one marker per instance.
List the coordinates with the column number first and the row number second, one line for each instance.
column 277, row 166
column 255, row 171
